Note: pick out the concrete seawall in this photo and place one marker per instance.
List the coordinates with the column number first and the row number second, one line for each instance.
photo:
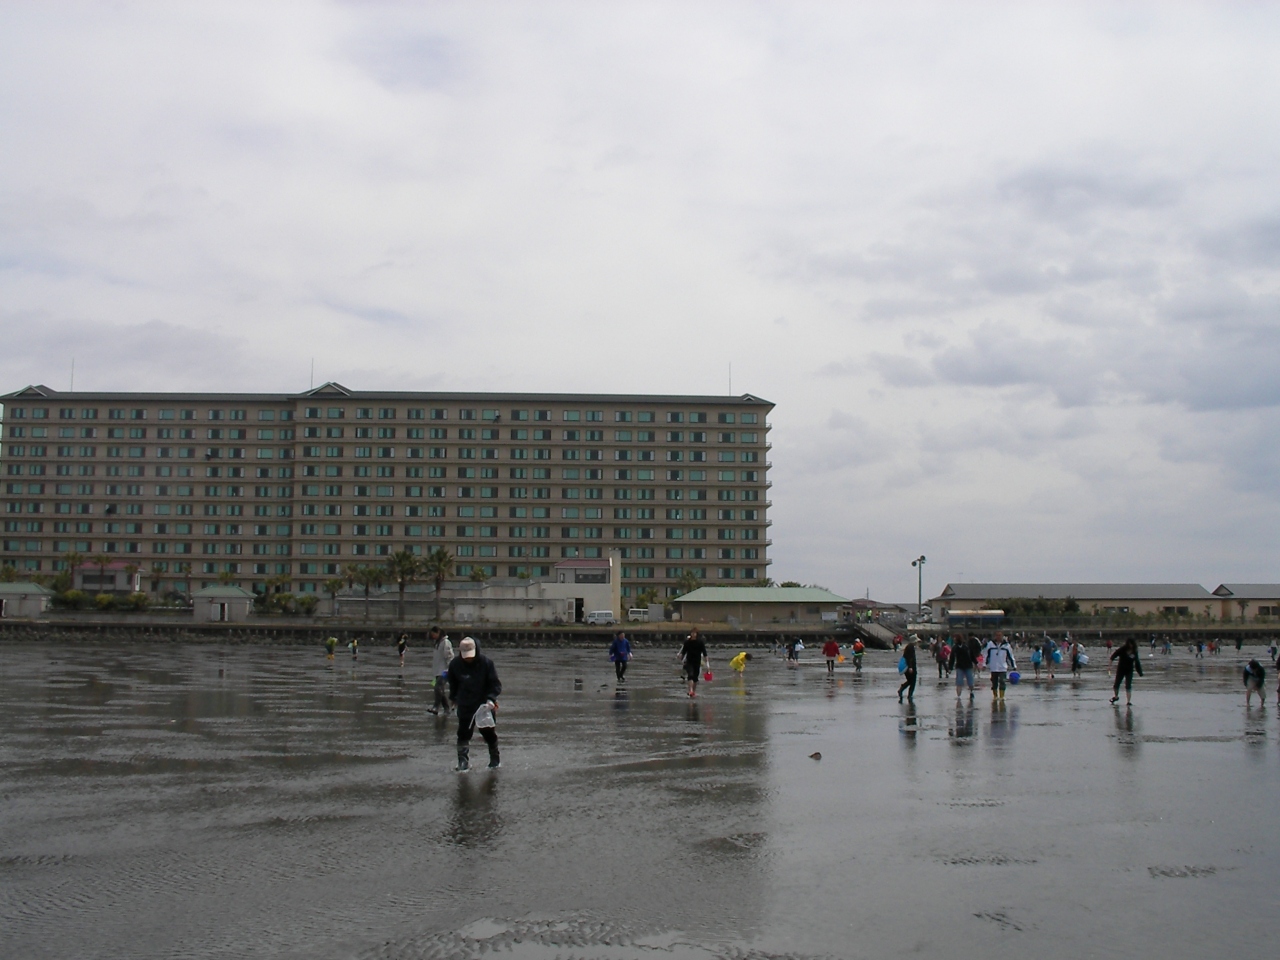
column 313, row 633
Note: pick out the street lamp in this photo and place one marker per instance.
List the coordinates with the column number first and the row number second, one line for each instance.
column 918, row 563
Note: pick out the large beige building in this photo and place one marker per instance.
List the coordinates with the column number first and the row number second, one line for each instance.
column 301, row 485
column 1093, row 599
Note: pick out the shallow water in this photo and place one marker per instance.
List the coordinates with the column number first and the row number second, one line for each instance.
column 161, row 801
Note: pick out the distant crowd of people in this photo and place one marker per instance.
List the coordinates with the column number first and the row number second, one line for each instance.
column 466, row 683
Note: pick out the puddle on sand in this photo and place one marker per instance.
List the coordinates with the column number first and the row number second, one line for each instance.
column 170, row 801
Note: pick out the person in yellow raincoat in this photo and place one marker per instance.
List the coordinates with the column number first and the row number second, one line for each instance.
column 739, row 662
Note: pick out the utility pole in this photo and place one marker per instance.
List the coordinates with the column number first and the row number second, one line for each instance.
column 918, row 563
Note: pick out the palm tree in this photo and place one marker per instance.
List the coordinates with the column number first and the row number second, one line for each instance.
column 688, row 582
column 72, row 559
column 184, row 567
column 437, row 566
column 403, row 567
column 274, row 586
column 226, row 576
column 369, row 577
column 131, row 570
column 101, row 561
column 647, row 596
column 351, row 573
column 157, row 571
column 332, row 587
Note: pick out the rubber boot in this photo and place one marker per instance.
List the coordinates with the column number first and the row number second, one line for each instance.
column 463, row 763
column 494, row 761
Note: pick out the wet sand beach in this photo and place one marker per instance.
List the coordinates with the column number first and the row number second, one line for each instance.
column 163, row 801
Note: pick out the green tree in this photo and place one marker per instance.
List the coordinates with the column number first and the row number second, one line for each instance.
column 73, row 559
column 403, row 567
column 763, row 582
column 688, row 582
column 791, row 583
column 131, row 571
column 332, row 588
column 8, row 573
column 226, row 576
column 647, row 596
column 370, row 577
column 437, row 566
column 101, row 561
column 478, row 575
column 184, row 568
column 155, row 575
column 351, row 573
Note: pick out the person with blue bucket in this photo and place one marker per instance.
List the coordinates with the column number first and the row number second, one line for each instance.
column 1000, row 660
column 907, row 667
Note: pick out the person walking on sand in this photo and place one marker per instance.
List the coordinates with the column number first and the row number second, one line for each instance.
column 1076, row 664
column 859, row 648
column 1049, row 653
column 474, row 687
column 354, row 647
column 330, row 645
column 909, row 674
column 1255, row 678
column 620, row 654
column 1129, row 660
column 962, row 662
column 401, row 644
column 1000, row 660
column 831, row 650
column 692, row 653
column 441, row 657
column 944, row 658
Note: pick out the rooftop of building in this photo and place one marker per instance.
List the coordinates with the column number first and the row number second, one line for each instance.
column 223, row 591
column 1248, row 591
column 761, row 595
column 337, row 390
column 1075, row 591
column 23, row 588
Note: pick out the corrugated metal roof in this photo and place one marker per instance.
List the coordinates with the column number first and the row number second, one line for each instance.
column 1076, row 591
column 761, row 595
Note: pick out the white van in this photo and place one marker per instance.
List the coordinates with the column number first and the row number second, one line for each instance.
column 638, row 615
column 600, row 618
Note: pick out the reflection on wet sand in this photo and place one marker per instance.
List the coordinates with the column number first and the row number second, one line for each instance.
column 165, row 800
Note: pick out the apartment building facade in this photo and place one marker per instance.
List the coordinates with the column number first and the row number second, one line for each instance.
column 258, row 486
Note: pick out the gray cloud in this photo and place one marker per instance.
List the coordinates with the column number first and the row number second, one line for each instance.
column 1041, row 304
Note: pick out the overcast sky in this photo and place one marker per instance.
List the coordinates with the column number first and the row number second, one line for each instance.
column 1009, row 272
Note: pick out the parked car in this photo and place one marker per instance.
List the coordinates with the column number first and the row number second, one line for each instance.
column 600, row 618
column 638, row 615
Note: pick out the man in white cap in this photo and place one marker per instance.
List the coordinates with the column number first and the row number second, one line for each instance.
column 474, row 683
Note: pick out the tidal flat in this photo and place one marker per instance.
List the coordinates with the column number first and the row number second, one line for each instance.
column 162, row 801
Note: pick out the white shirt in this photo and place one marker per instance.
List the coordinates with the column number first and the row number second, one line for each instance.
column 999, row 656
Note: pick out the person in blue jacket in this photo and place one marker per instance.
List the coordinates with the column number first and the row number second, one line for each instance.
column 620, row 654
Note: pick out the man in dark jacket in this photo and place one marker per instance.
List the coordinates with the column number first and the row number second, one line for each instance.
column 474, row 684
column 962, row 661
